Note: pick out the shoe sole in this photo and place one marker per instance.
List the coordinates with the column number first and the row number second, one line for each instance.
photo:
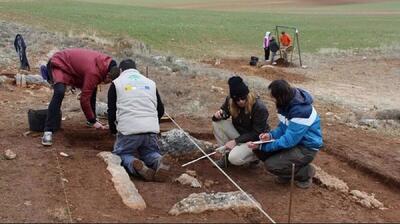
column 310, row 182
column 163, row 173
column 304, row 186
column 47, row 143
column 145, row 172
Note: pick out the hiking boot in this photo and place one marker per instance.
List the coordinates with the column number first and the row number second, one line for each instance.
column 143, row 170
column 163, row 171
column 255, row 164
column 47, row 139
column 281, row 180
column 306, row 184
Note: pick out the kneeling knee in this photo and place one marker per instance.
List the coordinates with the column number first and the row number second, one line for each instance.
column 235, row 159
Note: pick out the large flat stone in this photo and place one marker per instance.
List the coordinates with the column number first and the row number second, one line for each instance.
column 329, row 181
column 198, row 203
column 122, row 183
column 177, row 144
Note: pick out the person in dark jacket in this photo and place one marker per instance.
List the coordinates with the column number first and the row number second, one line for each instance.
column 249, row 119
column 79, row 68
column 273, row 47
column 20, row 48
column 298, row 136
column 134, row 111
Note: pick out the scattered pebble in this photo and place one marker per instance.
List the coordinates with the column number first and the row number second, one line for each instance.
column 191, row 173
column 10, row 155
column 28, row 203
column 329, row 113
column 64, row 154
column 209, row 183
column 185, row 179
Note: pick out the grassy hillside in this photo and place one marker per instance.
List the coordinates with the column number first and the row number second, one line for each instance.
column 200, row 33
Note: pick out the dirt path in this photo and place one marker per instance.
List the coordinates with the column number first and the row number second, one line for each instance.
column 356, row 82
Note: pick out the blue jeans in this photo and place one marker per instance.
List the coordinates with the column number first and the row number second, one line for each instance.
column 137, row 146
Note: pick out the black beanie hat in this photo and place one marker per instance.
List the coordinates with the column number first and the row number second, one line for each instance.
column 237, row 88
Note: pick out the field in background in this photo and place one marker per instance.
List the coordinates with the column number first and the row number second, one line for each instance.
column 199, row 32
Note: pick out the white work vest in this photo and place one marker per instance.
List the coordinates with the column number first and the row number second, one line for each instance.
column 136, row 103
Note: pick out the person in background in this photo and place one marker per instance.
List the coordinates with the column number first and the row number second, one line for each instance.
column 266, row 45
column 78, row 68
column 249, row 119
column 298, row 137
column 134, row 111
column 286, row 44
column 274, row 48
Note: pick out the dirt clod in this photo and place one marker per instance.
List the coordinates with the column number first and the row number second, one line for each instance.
column 9, row 154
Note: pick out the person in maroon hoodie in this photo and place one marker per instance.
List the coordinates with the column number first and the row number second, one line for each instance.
column 79, row 68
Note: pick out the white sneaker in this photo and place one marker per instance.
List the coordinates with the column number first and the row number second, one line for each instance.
column 273, row 63
column 47, row 139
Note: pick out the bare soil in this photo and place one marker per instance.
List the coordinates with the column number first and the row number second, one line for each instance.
column 34, row 176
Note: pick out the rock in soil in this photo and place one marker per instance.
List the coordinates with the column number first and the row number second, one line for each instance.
column 191, row 173
column 186, row 179
column 209, row 183
column 330, row 182
column 122, row 182
column 177, row 144
column 198, row 203
column 366, row 200
column 10, row 155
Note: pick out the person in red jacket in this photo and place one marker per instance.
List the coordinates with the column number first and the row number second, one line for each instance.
column 79, row 68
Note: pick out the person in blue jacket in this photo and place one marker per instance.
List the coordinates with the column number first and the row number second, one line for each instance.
column 297, row 139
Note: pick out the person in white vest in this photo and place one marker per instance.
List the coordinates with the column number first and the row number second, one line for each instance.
column 134, row 111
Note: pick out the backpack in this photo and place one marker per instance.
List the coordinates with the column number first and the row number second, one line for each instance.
column 37, row 120
column 253, row 61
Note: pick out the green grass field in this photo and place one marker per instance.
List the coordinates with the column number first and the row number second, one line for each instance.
column 200, row 33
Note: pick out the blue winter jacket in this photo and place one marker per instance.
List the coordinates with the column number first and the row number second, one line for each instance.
column 299, row 124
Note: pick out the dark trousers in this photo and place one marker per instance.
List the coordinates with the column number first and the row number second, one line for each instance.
column 53, row 112
column 54, row 108
column 280, row 163
column 23, row 60
column 266, row 51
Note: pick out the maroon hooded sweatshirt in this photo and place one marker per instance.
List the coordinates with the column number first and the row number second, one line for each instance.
column 81, row 68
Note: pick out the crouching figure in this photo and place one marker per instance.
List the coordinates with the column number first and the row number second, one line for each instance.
column 134, row 110
column 297, row 139
column 249, row 119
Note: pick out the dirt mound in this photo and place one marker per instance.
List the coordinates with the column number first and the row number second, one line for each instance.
column 268, row 72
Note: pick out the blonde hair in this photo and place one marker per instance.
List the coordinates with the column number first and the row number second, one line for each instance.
column 234, row 109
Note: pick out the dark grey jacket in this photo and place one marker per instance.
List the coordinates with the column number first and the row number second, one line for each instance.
column 273, row 46
column 249, row 126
